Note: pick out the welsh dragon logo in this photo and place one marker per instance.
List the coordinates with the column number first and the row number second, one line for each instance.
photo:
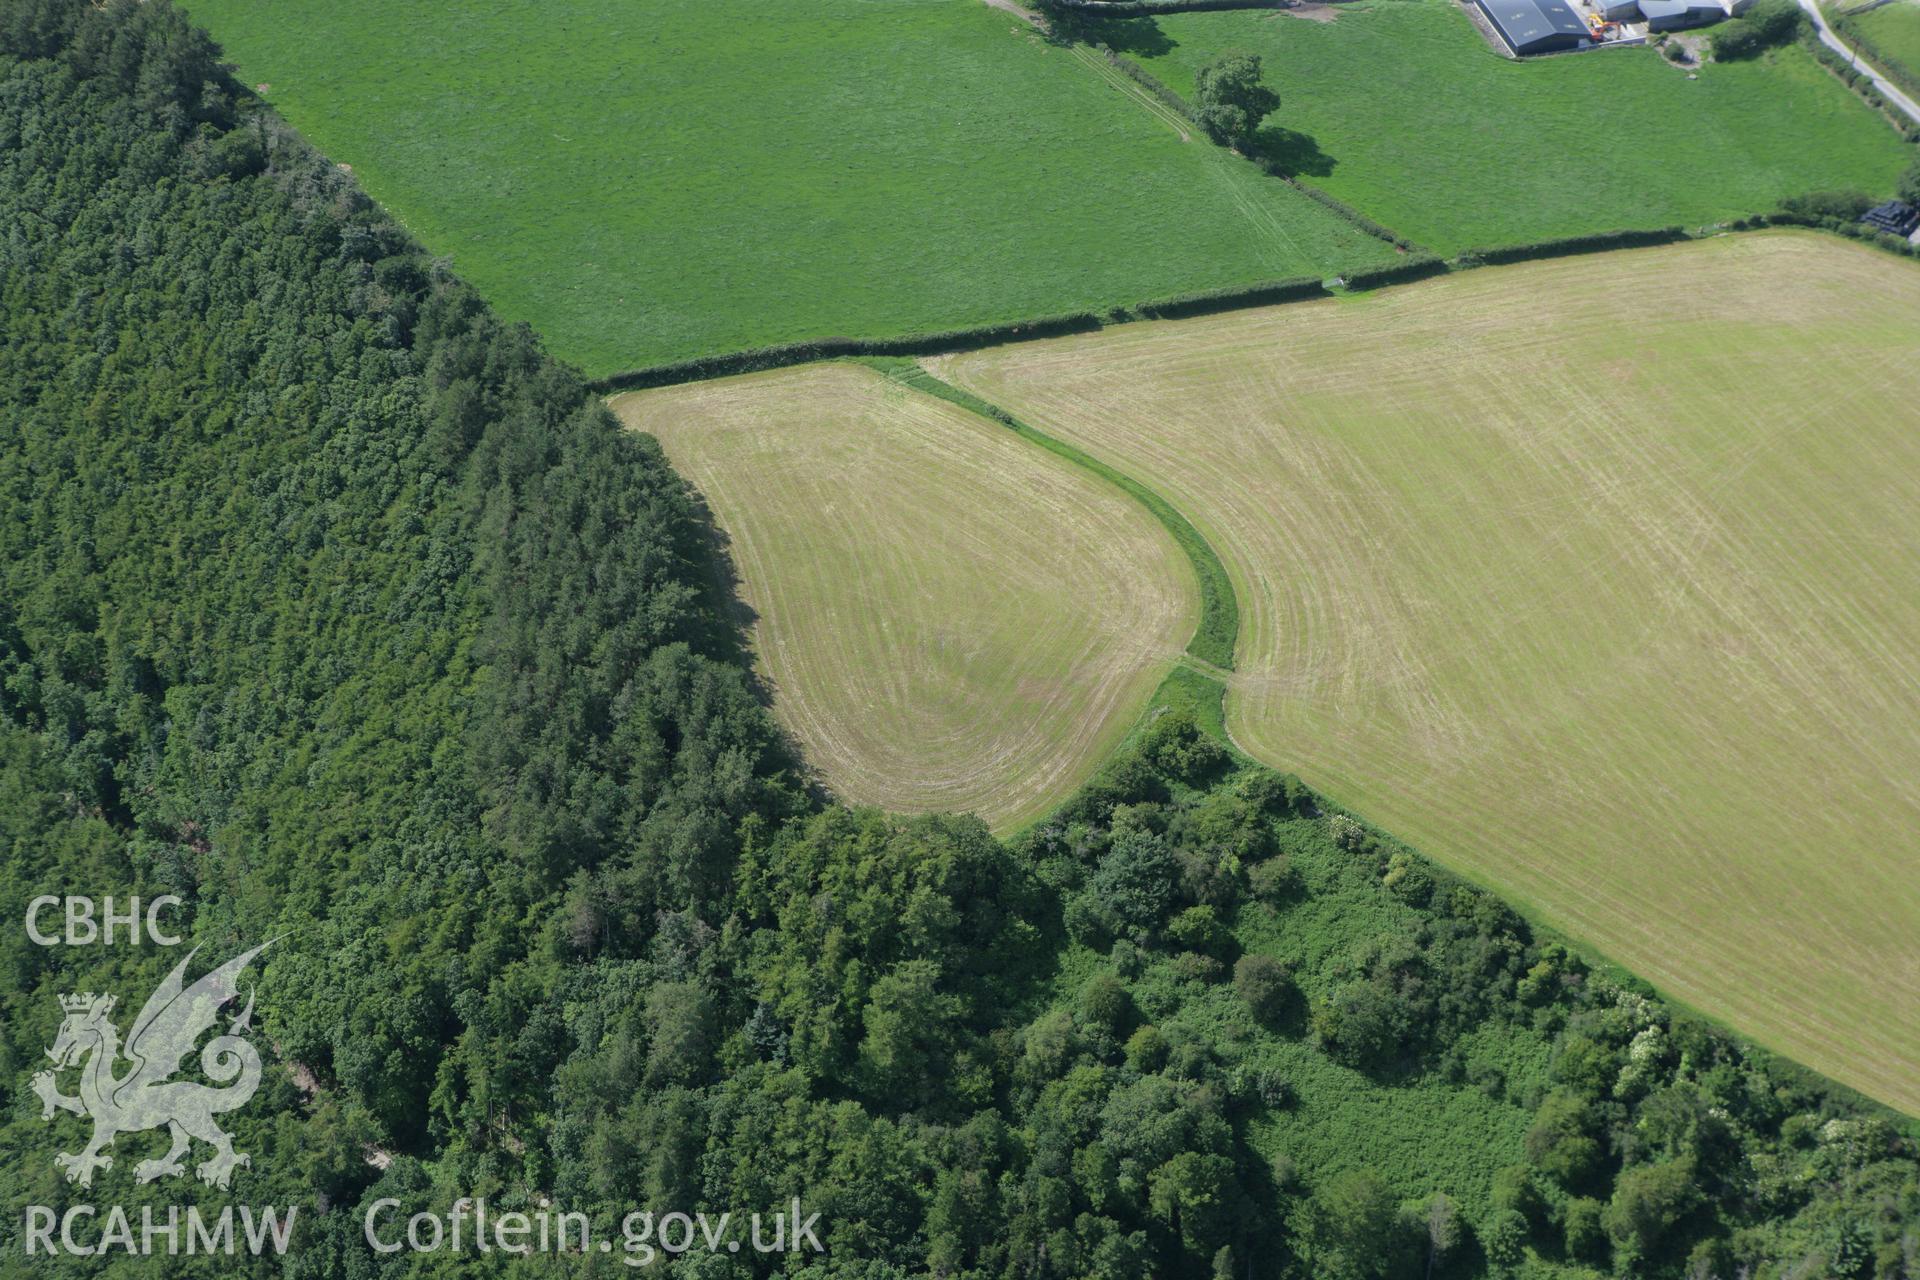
column 145, row 1096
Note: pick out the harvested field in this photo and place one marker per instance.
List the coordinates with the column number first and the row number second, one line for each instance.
column 1595, row 579
column 949, row 616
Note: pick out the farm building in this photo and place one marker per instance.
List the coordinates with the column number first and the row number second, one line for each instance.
column 1679, row 15
column 1618, row 10
column 1536, row 26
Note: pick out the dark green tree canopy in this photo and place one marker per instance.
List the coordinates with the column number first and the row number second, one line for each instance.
column 1231, row 98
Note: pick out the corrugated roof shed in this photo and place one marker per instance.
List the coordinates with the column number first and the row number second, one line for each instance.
column 1535, row 26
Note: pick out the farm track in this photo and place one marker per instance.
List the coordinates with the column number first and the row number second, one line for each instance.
column 1139, row 93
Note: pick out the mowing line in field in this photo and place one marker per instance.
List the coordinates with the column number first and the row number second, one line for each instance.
column 906, row 560
column 1213, row 639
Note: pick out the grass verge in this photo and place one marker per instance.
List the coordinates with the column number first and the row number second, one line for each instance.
column 1888, row 34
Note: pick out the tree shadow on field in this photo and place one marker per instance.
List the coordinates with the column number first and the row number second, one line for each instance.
column 1141, row 37
column 1292, row 152
column 731, row 635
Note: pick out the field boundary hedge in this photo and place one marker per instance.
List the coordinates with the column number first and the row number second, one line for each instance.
column 1230, row 298
column 805, row 351
column 1219, row 627
column 1147, row 80
column 1569, row 246
column 1208, row 302
column 1845, row 227
column 1417, row 267
column 782, row 355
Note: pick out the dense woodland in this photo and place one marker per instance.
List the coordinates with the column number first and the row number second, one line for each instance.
column 332, row 605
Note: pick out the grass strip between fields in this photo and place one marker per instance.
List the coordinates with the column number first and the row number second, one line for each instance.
column 1213, row 639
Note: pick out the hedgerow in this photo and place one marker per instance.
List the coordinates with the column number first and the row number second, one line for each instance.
column 1414, row 267
column 1850, row 227
column 792, row 353
column 1862, row 84
column 1894, row 69
column 1207, row 301
column 1569, row 245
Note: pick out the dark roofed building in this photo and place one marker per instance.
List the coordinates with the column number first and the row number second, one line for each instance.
column 1895, row 217
column 1536, row 26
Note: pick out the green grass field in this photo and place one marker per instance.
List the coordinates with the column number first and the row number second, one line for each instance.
column 1400, row 108
column 1893, row 31
column 1592, row 578
column 908, row 562
column 649, row 181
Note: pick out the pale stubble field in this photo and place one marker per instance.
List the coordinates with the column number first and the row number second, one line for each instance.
column 1597, row 579
column 948, row 616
